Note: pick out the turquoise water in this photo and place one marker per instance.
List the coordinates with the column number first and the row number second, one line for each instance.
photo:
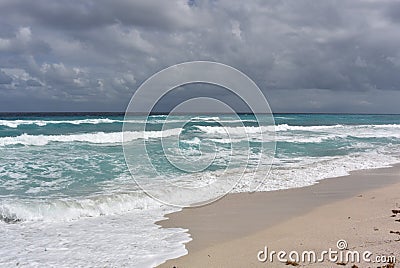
column 77, row 156
column 57, row 170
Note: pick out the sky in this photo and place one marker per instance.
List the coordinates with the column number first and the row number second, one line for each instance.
column 305, row 56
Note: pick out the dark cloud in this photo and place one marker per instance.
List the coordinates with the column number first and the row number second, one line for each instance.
column 5, row 79
column 393, row 11
column 328, row 55
column 33, row 83
column 95, row 14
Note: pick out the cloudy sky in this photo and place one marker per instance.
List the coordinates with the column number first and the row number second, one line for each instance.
column 306, row 56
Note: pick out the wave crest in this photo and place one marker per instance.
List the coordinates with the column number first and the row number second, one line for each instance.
column 98, row 137
column 13, row 211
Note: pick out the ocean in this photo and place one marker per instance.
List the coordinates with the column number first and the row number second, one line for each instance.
column 68, row 199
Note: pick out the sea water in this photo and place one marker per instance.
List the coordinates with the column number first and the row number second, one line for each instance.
column 68, row 199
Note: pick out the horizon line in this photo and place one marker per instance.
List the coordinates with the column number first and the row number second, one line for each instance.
column 166, row 113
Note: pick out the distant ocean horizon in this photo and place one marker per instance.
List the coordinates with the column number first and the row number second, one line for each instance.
column 66, row 192
column 122, row 113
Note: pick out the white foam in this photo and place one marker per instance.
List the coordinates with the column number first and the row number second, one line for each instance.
column 304, row 171
column 303, row 139
column 205, row 118
column 91, row 121
column 129, row 240
column 286, row 133
column 285, row 127
column 95, row 121
column 243, row 130
column 98, row 137
column 72, row 209
column 194, row 141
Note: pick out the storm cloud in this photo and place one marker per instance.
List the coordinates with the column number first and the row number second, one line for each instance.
column 306, row 56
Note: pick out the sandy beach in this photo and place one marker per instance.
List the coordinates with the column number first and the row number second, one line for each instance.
column 360, row 209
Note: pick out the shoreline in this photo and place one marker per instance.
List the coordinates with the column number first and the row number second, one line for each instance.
column 230, row 221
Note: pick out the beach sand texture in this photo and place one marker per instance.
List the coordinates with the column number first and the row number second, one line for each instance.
column 355, row 208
